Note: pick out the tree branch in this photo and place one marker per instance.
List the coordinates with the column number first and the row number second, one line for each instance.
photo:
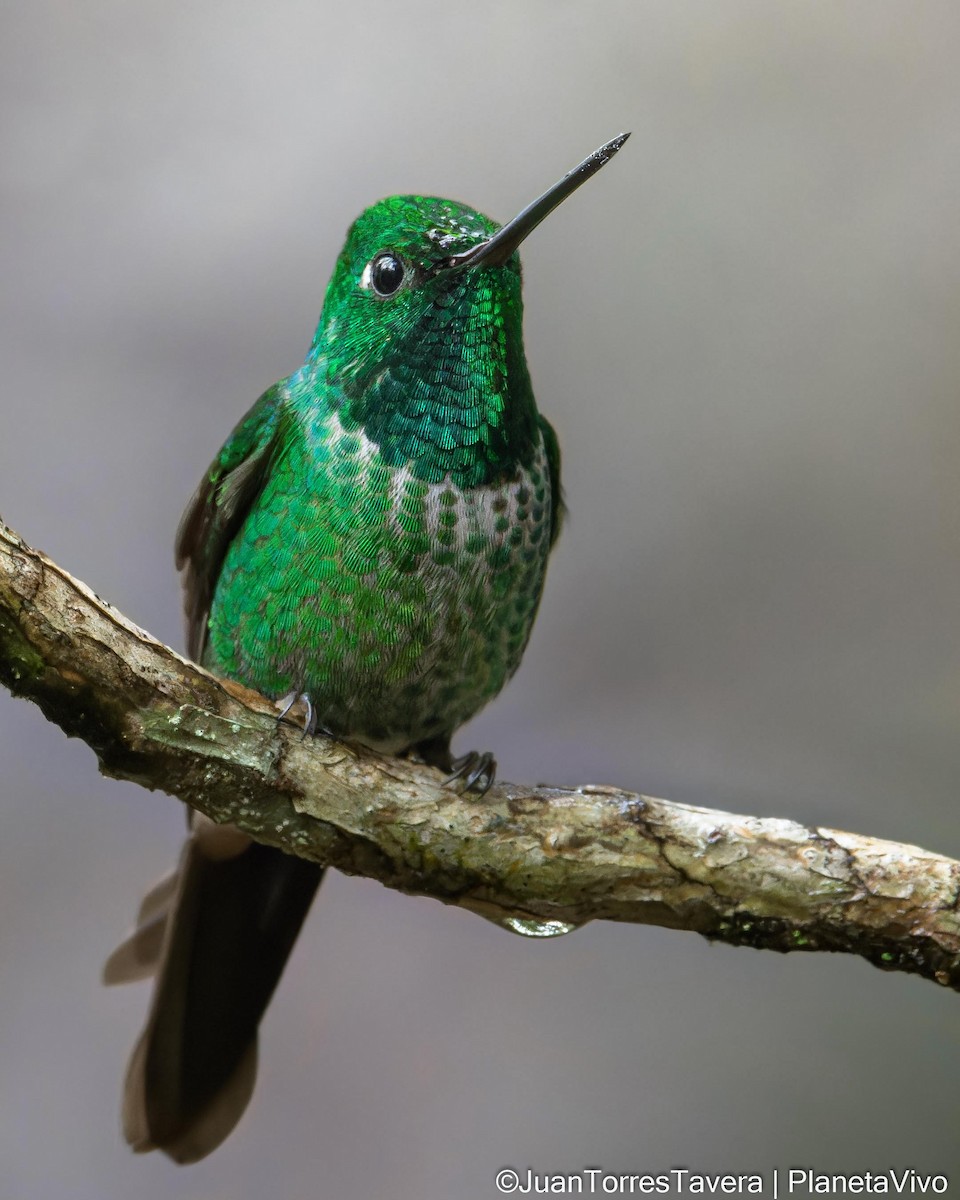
column 538, row 860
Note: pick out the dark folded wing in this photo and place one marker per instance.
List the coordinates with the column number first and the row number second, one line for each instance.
column 219, row 507
column 557, row 506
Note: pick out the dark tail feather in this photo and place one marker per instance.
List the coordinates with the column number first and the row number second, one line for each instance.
column 221, row 938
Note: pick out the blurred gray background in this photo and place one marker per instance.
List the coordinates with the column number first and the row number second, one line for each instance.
column 745, row 333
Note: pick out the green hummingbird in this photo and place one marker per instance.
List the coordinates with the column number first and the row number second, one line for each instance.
column 372, row 539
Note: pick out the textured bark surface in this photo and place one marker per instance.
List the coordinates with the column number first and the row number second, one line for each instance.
column 535, row 859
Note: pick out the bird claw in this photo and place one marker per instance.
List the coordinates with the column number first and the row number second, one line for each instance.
column 478, row 771
column 311, row 724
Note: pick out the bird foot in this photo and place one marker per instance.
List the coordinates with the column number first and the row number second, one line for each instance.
column 478, row 771
column 311, row 724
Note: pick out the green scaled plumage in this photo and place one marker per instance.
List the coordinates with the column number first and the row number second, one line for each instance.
column 379, row 524
column 373, row 536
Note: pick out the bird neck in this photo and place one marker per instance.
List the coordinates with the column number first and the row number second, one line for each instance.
column 447, row 396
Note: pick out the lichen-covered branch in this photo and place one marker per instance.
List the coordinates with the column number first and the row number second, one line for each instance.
column 531, row 858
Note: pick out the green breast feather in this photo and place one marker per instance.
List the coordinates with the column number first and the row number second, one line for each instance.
column 375, row 532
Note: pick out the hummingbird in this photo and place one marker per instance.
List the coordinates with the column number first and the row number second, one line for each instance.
column 371, row 540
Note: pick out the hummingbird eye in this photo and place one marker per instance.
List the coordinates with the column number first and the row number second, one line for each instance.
column 384, row 273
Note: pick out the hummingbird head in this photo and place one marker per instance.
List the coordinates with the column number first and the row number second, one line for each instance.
column 420, row 341
column 427, row 360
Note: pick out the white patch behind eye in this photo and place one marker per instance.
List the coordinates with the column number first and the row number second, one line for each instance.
column 366, row 276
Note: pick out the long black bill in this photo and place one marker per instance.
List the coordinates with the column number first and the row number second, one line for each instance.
column 497, row 249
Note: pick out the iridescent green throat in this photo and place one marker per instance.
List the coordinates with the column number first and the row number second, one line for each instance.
column 434, row 375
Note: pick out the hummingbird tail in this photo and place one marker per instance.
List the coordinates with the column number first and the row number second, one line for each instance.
column 217, row 935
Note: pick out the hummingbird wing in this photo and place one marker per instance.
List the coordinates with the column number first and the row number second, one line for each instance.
column 219, row 507
column 557, row 507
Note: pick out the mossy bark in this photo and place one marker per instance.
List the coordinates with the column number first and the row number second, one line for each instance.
column 530, row 858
